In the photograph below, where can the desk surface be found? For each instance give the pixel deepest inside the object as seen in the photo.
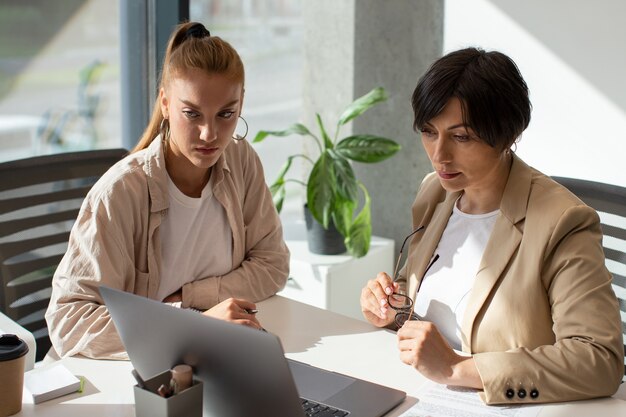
(9, 326)
(319, 337)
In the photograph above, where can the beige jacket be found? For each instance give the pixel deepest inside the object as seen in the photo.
(542, 316)
(115, 242)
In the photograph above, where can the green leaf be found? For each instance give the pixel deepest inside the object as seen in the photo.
(278, 194)
(367, 148)
(360, 235)
(361, 104)
(343, 211)
(320, 189)
(328, 144)
(285, 168)
(297, 128)
(345, 180)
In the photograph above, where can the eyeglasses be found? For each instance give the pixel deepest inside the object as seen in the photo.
(402, 304)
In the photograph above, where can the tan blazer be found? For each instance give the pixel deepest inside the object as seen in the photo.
(542, 318)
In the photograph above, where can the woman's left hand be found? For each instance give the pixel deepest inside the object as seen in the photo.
(424, 348)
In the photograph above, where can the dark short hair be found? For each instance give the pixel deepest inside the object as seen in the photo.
(493, 94)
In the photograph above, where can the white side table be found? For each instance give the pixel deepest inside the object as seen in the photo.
(333, 282)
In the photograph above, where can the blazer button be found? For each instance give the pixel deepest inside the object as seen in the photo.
(534, 393)
(521, 393)
(510, 393)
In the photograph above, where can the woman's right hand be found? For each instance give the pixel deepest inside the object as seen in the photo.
(374, 303)
(236, 311)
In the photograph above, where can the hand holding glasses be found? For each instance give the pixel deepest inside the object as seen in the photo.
(402, 304)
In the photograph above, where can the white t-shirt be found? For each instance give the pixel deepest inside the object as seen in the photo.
(443, 295)
(196, 239)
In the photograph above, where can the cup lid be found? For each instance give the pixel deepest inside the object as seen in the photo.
(12, 347)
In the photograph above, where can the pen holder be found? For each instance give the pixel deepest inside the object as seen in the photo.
(187, 403)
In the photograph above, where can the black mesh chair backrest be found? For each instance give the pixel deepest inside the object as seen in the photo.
(39, 201)
(610, 203)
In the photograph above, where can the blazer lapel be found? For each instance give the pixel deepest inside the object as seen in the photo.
(504, 241)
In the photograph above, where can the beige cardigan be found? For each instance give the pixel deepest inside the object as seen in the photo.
(115, 242)
(542, 314)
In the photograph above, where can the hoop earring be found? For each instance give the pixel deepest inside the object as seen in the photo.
(239, 137)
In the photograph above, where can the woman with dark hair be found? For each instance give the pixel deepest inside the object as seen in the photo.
(507, 265)
(186, 218)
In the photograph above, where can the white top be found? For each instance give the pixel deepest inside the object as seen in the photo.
(196, 239)
(442, 297)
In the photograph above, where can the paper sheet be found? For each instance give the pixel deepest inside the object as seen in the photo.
(436, 400)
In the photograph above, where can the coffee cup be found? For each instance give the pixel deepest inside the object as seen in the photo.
(12, 358)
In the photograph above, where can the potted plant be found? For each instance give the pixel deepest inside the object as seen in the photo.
(332, 190)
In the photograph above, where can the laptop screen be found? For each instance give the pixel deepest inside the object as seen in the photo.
(244, 370)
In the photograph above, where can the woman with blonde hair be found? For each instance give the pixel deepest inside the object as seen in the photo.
(186, 218)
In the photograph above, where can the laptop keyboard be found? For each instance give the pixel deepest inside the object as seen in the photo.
(313, 409)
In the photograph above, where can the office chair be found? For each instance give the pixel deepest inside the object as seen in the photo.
(39, 200)
(610, 203)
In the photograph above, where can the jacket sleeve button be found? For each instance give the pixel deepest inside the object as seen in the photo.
(510, 393)
(521, 393)
(534, 393)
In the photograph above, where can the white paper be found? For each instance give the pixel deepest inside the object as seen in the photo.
(436, 400)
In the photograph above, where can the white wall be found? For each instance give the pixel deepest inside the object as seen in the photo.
(572, 54)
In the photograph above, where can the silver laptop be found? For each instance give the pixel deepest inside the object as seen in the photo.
(244, 370)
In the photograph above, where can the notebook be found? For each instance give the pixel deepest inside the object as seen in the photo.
(48, 382)
(244, 370)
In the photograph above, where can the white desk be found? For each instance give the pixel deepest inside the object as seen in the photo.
(308, 334)
(9, 326)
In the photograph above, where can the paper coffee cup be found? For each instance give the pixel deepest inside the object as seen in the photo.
(12, 357)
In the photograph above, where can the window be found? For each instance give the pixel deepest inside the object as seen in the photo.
(59, 76)
(268, 34)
